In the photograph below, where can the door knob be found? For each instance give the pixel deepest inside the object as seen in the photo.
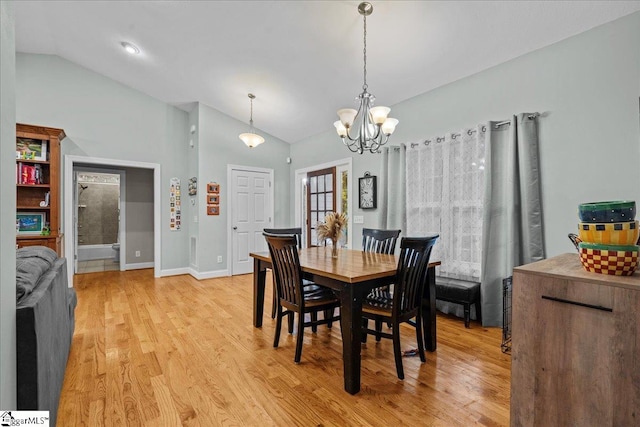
(235, 228)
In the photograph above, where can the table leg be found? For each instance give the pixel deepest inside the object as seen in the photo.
(429, 311)
(259, 279)
(350, 322)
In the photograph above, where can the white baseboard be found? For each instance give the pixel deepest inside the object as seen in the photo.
(139, 266)
(190, 270)
(208, 274)
(175, 272)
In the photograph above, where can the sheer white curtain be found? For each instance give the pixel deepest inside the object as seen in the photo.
(445, 192)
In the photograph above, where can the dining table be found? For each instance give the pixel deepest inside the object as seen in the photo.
(352, 274)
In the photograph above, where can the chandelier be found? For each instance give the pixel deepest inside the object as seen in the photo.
(251, 138)
(371, 125)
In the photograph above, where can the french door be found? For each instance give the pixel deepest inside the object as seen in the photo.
(321, 200)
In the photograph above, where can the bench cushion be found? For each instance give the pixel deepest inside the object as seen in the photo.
(458, 291)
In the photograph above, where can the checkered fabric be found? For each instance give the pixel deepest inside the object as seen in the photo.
(618, 263)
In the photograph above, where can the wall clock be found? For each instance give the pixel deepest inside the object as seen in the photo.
(368, 199)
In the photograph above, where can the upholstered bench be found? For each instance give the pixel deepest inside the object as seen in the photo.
(460, 292)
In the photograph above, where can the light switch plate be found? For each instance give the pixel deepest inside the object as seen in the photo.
(358, 219)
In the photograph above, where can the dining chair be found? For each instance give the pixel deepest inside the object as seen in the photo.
(405, 303)
(292, 296)
(382, 242)
(297, 233)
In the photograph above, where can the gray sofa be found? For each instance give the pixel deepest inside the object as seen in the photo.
(44, 324)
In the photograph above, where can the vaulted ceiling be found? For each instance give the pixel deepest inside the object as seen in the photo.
(302, 59)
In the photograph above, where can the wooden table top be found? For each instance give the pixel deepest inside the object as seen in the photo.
(351, 266)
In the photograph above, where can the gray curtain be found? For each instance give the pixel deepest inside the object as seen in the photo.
(392, 188)
(512, 232)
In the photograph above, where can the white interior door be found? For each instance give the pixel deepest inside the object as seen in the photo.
(251, 213)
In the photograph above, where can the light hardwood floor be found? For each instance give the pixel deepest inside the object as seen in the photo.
(177, 351)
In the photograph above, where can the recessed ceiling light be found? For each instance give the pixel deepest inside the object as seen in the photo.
(131, 48)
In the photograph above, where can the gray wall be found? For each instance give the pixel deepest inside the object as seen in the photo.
(7, 208)
(587, 85)
(105, 119)
(218, 146)
(139, 215)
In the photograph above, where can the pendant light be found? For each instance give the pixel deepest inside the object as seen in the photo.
(251, 139)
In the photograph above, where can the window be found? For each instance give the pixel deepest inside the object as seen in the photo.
(445, 191)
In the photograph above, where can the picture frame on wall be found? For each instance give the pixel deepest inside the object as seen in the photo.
(212, 187)
(193, 186)
(213, 210)
(30, 223)
(213, 199)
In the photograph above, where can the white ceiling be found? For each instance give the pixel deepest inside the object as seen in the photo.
(302, 59)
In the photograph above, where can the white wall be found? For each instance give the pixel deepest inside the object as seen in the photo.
(105, 119)
(588, 85)
(7, 209)
(218, 146)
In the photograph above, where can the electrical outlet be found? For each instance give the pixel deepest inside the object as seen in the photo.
(195, 218)
(219, 258)
(137, 254)
(358, 219)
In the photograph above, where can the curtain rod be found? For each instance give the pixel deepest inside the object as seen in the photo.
(508, 122)
(471, 131)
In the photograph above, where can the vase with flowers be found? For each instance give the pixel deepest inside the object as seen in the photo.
(332, 228)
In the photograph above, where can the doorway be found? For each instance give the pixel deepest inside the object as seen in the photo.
(99, 220)
(251, 201)
(342, 200)
(70, 162)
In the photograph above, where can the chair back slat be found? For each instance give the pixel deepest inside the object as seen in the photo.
(286, 267)
(295, 231)
(380, 241)
(411, 274)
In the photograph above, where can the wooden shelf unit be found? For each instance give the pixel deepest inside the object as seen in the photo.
(29, 196)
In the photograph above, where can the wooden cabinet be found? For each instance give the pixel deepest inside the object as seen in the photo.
(575, 346)
(38, 186)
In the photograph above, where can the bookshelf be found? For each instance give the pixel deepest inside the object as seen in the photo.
(38, 186)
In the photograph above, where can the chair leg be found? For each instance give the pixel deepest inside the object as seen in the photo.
(274, 303)
(396, 350)
(378, 329)
(419, 338)
(314, 318)
(328, 314)
(276, 339)
(467, 315)
(365, 327)
(290, 320)
(299, 338)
